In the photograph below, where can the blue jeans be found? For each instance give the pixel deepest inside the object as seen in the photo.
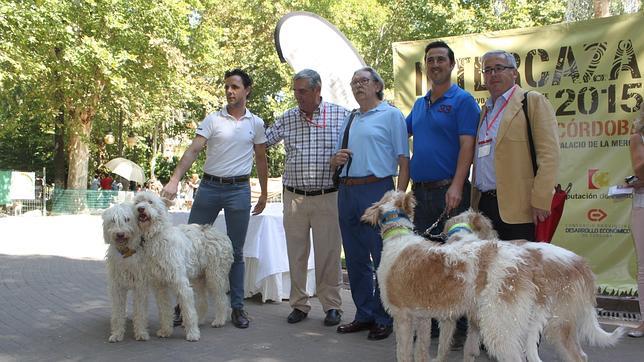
(430, 204)
(363, 248)
(210, 198)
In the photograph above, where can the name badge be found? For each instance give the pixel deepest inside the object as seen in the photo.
(484, 148)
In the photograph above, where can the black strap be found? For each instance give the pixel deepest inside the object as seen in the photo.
(345, 141)
(533, 153)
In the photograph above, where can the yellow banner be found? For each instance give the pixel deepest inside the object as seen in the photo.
(591, 72)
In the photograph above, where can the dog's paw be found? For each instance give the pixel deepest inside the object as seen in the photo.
(115, 338)
(142, 336)
(193, 336)
(164, 333)
(217, 323)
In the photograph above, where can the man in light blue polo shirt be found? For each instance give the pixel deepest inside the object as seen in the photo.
(443, 124)
(377, 150)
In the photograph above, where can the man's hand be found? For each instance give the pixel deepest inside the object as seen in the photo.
(260, 205)
(170, 190)
(453, 197)
(539, 215)
(341, 157)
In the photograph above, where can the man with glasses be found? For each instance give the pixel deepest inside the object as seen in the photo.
(232, 136)
(310, 133)
(443, 124)
(377, 149)
(508, 189)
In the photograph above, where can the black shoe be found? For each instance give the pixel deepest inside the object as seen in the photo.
(355, 326)
(240, 318)
(379, 331)
(332, 318)
(177, 321)
(296, 316)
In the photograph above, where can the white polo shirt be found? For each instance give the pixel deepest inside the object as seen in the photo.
(230, 142)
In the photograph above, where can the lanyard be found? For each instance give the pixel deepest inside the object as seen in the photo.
(489, 125)
(314, 124)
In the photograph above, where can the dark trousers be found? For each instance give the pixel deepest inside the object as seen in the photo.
(489, 206)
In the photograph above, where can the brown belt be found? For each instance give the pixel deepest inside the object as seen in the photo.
(354, 181)
(432, 184)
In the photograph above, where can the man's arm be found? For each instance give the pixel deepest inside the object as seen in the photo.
(546, 144)
(403, 173)
(262, 173)
(454, 193)
(188, 158)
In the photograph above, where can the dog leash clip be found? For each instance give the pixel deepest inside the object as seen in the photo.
(440, 237)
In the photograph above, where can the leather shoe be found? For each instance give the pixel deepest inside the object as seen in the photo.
(636, 333)
(355, 326)
(296, 316)
(177, 320)
(379, 331)
(240, 318)
(333, 317)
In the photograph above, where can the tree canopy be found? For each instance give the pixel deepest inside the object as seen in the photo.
(72, 70)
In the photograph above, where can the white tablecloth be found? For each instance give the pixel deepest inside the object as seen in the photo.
(265, 254)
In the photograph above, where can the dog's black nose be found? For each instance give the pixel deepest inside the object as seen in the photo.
(141, 209)
(120, 235)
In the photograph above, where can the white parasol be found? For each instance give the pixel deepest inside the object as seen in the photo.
(127, 169)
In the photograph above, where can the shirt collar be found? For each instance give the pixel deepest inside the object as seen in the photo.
(490, 105)
(224, 112)
(448, 94)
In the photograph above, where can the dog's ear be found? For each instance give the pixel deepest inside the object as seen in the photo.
(371, 214)
(409, 205)
(482, 226)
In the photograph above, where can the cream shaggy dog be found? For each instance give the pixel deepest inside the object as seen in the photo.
(552, 286)
(420, 279)
(125, 271)
(175, 258)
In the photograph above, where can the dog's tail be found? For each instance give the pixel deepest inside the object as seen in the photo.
(592, 333)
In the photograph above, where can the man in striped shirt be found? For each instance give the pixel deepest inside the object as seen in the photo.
(310, 133)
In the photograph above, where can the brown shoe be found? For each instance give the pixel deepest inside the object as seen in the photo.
(379, 331)
(355, 326)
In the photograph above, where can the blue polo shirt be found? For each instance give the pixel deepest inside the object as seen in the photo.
(436, 128)
(376, 139)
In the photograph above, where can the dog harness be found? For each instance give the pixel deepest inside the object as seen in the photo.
(395, 230)
(458, 228)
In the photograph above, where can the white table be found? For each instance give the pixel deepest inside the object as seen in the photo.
(265, 255)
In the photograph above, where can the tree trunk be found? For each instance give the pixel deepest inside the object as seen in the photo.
(59, 150)
(78, 150)
(601, 8)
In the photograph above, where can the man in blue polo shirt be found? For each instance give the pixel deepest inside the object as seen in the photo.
(443, 124)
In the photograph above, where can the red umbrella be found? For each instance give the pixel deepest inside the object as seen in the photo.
(546, 229)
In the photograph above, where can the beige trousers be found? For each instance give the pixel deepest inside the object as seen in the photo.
(637, 228)
(319, 214)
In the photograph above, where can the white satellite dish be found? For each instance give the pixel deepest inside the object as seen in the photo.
(307, 41)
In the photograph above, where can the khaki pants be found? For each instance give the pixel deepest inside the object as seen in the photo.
(319, 214)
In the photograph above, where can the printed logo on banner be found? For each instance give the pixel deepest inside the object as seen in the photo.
(596, 215)
(597, 179)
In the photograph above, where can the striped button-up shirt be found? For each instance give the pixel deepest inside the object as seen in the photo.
(309, 145)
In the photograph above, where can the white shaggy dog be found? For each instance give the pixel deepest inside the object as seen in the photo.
(125, 271)
(175, 257)
(552, 286)
(508, 292)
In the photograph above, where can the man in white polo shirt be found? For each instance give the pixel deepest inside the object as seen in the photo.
(232, 135)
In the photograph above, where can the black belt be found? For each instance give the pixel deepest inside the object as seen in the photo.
(310, 193)
(225, 180)
(489, 193)
(432, 184)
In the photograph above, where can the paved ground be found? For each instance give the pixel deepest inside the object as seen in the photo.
(54, 307)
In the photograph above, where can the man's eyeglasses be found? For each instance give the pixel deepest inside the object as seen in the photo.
(362, 82)
(496, 69)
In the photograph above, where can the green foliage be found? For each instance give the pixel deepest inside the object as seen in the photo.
(156, 66)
